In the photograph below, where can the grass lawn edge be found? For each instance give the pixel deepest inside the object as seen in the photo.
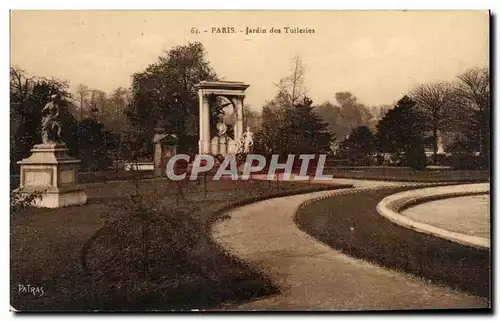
(300, 223)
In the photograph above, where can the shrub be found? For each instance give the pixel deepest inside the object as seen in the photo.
(416, 158)
(146, 235)
(19, 200)
(465, 161)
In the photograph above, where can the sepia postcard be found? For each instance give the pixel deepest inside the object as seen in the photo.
(250, 161)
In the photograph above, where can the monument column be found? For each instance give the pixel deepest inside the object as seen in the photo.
(235, 128)
(204, 144)
(200, 121)
(239, 118)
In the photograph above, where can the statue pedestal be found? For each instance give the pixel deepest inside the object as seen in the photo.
(215, 145)
(231, 146)
(165, 147)
(52, 172)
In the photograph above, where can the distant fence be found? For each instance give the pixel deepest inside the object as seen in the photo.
(96, 177)
(139, 166)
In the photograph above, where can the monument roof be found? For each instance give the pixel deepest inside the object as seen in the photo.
(230, 85)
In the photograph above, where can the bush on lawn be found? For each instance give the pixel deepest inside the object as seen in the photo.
(465, 161)
(144, 245)
(417, 158)
(20, 200)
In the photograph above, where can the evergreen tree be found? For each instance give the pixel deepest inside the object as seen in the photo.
(359, 146)
(294, 129)
(402, 131)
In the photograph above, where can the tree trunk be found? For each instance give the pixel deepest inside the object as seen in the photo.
(81, 108)
(435, 143)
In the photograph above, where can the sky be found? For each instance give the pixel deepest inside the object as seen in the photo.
(377, 55)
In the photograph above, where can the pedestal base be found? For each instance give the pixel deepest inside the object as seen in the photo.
(51, 172)
(165, 147)
(54, 198)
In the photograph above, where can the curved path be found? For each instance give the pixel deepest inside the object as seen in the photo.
(312, 275)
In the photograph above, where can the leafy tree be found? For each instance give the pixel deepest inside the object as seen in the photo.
(402, 131)
(112, 112)
(273, 120)
(359, 146)
(178, 71)
(353, 113)
(348, 114)
(96, 144)
(133, 145)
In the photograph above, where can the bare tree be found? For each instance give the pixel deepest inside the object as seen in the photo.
(297, 79)
(19, 84)
(474, 87)
(433, 100)
(20, 88)
(291, 88)
(82, 92)
(472, 100)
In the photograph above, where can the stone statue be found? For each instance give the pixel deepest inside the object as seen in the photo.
(221, 128)
(51, 127)
(247, 140)
(440, 144)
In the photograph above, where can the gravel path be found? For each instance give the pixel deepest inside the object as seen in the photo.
(313, 276)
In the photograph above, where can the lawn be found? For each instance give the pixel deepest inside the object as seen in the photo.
(136, 253)
(359, 231)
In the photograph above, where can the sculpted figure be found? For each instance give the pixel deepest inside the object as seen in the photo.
(247, 141)
(221, 128)
(51, 127)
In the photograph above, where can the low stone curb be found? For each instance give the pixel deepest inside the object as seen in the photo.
(391, 206)
(338, 192)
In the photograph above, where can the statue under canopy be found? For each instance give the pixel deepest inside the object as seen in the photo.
(245, 144)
